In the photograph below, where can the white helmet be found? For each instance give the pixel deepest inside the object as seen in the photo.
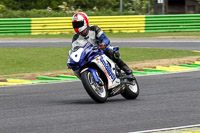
(80, 22)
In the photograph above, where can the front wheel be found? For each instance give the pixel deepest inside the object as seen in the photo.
(98, 93)
(131, 91)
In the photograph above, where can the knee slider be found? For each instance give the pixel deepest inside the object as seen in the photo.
(116, 54)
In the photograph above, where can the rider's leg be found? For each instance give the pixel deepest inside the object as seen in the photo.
(115, 56)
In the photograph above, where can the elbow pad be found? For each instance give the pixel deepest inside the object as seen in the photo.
(104, 39)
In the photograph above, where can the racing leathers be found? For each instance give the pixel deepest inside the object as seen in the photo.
(97, 37)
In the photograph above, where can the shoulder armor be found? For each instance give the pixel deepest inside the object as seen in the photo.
(75, 37)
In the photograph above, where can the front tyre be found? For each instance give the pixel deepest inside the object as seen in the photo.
(131, 91)
(98, 93)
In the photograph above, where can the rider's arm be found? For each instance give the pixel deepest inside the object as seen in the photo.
(104, 39)
(101, 36)
(75, 37)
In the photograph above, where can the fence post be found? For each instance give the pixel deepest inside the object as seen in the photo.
(121, 5)
(163, 7)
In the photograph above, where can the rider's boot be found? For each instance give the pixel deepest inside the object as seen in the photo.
(115, 56)
(122, 65)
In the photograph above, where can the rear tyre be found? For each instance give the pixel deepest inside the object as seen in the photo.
(98, 93)
(131, 91)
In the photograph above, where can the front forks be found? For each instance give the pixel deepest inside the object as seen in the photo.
(95, 75)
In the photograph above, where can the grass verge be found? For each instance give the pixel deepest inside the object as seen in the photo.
(47, 60)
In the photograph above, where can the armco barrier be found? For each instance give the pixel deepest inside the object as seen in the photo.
(137, 23)
(62, 25)
(120, 23)
(167, 23)
(56, 25)
(15, 26)
(106, 23)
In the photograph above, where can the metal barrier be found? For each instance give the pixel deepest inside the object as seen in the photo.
(15, 26)
(106, 23)
(119, 23)
(167, 23)
(137, 23)
(55, 25)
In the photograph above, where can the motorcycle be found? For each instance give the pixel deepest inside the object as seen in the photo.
(100, 76)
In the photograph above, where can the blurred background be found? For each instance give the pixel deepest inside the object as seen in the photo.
(64, 8)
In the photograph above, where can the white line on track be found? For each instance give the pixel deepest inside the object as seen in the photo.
(166, 129)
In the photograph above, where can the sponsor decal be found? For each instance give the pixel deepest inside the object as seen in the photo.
(108, 69)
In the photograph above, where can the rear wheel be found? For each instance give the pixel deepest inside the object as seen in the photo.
(131, 91)
(98, 93)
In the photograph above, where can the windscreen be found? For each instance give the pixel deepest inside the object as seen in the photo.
(78, 44)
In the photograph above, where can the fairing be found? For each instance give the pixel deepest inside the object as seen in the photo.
(97, 57)
(87, 55)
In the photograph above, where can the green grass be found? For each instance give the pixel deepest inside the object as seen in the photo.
(110, 35)
(30, 60)
(141, 54)
(149, 35)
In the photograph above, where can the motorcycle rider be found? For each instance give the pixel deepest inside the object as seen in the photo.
(96, 36)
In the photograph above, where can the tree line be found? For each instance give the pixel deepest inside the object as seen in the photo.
(97, 5)
(54, 4)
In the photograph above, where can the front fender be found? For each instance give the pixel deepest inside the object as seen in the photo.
(85, 69)
(94, 73)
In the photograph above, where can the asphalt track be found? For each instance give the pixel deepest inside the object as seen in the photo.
(189, 44)
(165, 101)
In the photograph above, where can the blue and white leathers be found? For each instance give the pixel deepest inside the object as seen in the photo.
(83, 55)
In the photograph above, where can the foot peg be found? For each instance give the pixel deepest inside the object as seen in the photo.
(129, 77)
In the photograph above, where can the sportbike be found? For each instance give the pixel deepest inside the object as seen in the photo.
(100, 76)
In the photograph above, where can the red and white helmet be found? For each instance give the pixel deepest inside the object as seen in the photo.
(80, 22)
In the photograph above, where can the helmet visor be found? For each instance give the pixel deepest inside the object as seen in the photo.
(77, 24)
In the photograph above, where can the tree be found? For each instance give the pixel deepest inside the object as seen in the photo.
(140, 6)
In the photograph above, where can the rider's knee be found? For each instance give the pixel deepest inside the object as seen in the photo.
(116, 54)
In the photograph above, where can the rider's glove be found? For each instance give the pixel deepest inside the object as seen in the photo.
(102, 46)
